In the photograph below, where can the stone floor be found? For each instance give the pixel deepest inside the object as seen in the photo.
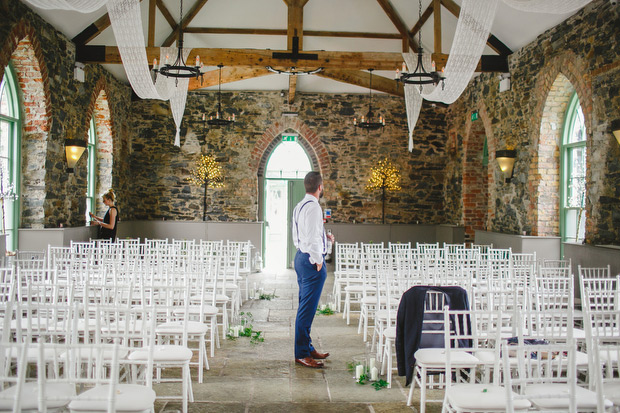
(263, 377)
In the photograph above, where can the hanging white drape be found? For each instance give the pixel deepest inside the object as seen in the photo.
(547, 6)
(82, 6)
(472, 31)
(126, 21)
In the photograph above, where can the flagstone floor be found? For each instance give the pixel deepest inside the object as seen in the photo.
(263, 377)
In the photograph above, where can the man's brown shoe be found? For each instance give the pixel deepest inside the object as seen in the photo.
(309, 362)
(318, 356)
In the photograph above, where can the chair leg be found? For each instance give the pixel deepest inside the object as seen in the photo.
(423, 385)
(410, 396)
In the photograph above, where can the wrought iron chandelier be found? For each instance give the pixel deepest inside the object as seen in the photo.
(180, 69)
(294, 72)
(219, 119)
(420, 76)
(367, 122)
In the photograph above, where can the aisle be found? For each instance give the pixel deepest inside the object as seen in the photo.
(263, 377)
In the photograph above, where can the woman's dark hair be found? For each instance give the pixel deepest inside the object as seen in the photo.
(312, 182)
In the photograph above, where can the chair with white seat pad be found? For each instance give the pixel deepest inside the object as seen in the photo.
(546, 376)
(462, 346)
(174, 351)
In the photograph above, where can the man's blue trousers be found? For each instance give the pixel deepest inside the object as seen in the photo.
(310, 283)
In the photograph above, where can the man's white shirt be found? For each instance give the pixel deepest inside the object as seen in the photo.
(308, 231)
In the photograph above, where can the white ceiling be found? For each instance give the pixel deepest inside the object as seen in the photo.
(514, 28)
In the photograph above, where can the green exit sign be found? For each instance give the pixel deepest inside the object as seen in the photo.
(291, 137)
(474, 115)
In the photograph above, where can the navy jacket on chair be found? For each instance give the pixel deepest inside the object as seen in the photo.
(410, 319)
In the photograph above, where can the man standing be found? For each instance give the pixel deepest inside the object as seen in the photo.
(311, 242)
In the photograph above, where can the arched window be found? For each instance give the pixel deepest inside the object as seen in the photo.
(10, 129)
(288, 161)
(573, 174)
(92, 170)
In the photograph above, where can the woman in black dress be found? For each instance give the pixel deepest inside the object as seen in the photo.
(108, 223)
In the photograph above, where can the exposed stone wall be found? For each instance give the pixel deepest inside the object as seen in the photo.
(341, 151)
(584, 50)
(50, 195)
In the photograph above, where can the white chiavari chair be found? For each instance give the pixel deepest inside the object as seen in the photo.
(607, 373)
(426, 371)
(172, 349)
(373, 254)
(347, 277)
(546, 376)
(463, 345)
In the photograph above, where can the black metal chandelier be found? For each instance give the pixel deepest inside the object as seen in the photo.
(367, 122)
(420, 76)
(179, 69)
(219, 119)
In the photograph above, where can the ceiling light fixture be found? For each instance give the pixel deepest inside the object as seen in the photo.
(420, 76)
(294, 72)
(219, 116)
(367, 122)
(179, 69)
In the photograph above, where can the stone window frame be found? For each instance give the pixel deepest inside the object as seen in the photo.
(566, 151)
(12, 208)
(91, 166)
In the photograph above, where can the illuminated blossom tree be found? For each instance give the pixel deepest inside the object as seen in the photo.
(208, 173)
(386, 177)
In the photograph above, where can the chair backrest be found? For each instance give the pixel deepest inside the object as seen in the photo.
(539, 365)
(432, 325)
(12, 400)
(553, 293)
(606, 368)
(594, 272)
(599, 293)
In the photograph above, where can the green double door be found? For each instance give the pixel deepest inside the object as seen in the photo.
(296, 192)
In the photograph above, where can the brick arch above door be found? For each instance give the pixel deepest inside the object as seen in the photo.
(310, 141)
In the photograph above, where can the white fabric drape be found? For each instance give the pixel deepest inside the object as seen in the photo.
(82, 6)
(547, 6)
(126, 20)
(472, 31)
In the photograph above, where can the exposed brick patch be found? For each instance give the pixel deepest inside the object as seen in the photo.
(307, 139)
(100, 109)
(32, 81)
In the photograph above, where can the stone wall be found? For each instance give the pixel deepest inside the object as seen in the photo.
(342, 152)
(583, 50)
(57, 107)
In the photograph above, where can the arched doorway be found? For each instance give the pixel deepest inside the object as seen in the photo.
(283, 189)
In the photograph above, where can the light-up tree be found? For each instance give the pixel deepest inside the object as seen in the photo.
(386, 177)
(208, 173)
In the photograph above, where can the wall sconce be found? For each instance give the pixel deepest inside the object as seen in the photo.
(506, 160)
(615, 128)
(74, 148)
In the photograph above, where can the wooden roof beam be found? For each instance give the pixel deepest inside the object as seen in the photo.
(229, 75)
(152, 15)
(425, 16)
(362, 79)
(166, 13)
(493, 42)
(186, 21)
(437, 25)
(93, 30)
(295, 23)
(292, 86)
(398, 22)
(283, 32)
(262, 58)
